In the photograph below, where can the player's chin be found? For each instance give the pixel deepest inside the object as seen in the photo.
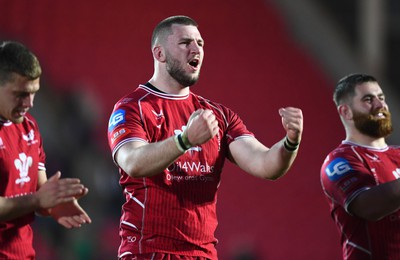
(17, 119)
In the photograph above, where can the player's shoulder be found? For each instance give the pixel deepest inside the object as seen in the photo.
(131, 98)
(337, 164)
(341, 150)
(393, 150)
(342, 153)
(394, 147)
(137, 93)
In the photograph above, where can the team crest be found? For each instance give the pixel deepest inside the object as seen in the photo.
(23, 163)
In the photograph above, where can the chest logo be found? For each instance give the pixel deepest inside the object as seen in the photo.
(30, 137)
(22, 164)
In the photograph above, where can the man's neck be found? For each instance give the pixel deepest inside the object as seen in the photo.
(367, 140)
(169, 87)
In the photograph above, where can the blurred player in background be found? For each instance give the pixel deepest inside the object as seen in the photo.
(361, 176)
(24, 188)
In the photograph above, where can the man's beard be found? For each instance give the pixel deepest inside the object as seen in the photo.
(369, 125)
(176, 71)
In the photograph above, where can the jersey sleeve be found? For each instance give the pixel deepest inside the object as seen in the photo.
(125, 125)
(235, 128)
(344, 176)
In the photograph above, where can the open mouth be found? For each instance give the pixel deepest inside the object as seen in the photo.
(20, 113)
(194, 63)
(380, 114)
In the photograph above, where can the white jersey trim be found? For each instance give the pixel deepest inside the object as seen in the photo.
(381, 149)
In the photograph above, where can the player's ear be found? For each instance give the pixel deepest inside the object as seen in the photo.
(345, 111)
(159, 53)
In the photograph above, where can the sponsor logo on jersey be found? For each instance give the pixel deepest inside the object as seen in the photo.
(185, 167)
(30, 137)
(118, 134)
(117, 118)
(159, 116)
(22, 164)
(189, 178)
(337, 169)
(2, 146)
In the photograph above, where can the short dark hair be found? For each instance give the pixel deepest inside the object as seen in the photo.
(163, 29)
(345, 88)
(16, 58)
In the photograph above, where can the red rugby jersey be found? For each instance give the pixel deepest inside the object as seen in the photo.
(174, 211)
(347, 171)
(21, 156)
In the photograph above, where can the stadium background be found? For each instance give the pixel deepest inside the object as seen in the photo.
(93, 52)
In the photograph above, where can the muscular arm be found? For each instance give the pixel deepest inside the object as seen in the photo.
(140, 159)
(269, 163)
(254, 158)
(377, 202)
